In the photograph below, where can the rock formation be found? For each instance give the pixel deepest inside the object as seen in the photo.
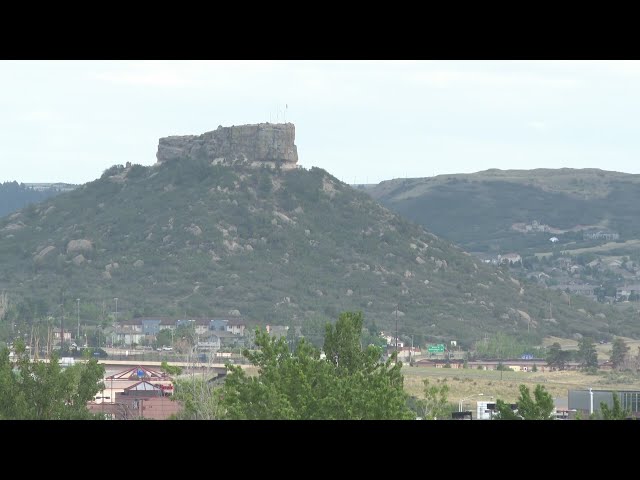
(253, 144)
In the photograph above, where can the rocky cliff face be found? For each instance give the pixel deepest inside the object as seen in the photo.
(254, 144)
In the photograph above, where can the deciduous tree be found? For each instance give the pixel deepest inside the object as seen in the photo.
(614, 413)
(435, 405)
(33, 390)
(350, 383)
(540, 407)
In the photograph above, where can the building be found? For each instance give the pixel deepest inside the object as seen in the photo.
(129, 332)
(601, 235)
(407, 353)
(142, 400)
(588, 401)
(509, 258)
(440, 363)
(218, 324)
(57, 335)
(277, 330)
(151, 326)
(137, 392)
(217, 339)
(236, 326)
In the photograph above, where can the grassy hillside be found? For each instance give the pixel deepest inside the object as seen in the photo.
(187, 238)
(477, 210)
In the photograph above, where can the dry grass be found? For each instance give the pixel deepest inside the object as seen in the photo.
(465, 383)
(604, 350)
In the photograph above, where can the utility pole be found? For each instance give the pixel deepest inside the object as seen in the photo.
(62, 328)
(78, 336)
(396, 333)
(116, 323)
(411, 351)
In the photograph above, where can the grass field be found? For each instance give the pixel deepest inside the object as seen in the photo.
(603, 350)
(493, 384)
(631, 244)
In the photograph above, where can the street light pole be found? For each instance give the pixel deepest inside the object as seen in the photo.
(116, 299)
(396, 333)
(460, 403)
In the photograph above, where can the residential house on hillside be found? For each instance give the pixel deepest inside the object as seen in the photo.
(628, 292)
(580, 289)
(202, 325)
(134, 330)
(277, 330)
(408, 353)
(509, 258)
(217, 339)
(152, 326)
(129, 332)
(57, 335)
(236, 326)
(209, 341)
(391, 340)
(601, 235)
(181, 322)
(218, 324)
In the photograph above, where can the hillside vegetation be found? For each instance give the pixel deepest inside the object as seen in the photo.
(186, 238)
(478, 210)
(14, 196)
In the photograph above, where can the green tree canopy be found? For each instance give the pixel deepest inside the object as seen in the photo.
(435, 404)
(556, 357)
(619, 352)
(350, 383)
(170, 369)
(45, 391)
(540, 407)
(163, 338)
(201, 399)
(587, 355)
(614, 413)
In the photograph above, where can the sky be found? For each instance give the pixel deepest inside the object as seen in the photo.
(362, 121)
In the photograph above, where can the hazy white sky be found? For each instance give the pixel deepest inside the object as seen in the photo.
(363, 121)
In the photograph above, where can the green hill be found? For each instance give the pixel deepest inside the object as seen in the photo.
(14, 195)
(277, 246)
(478, 211)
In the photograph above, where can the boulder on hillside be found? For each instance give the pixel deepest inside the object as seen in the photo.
(43, 253)
(79, 246)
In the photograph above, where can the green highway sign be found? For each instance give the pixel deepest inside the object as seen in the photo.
(439, 348)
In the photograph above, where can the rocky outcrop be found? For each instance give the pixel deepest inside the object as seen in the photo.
(253, 144)
(79, 246)
(43, 253)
